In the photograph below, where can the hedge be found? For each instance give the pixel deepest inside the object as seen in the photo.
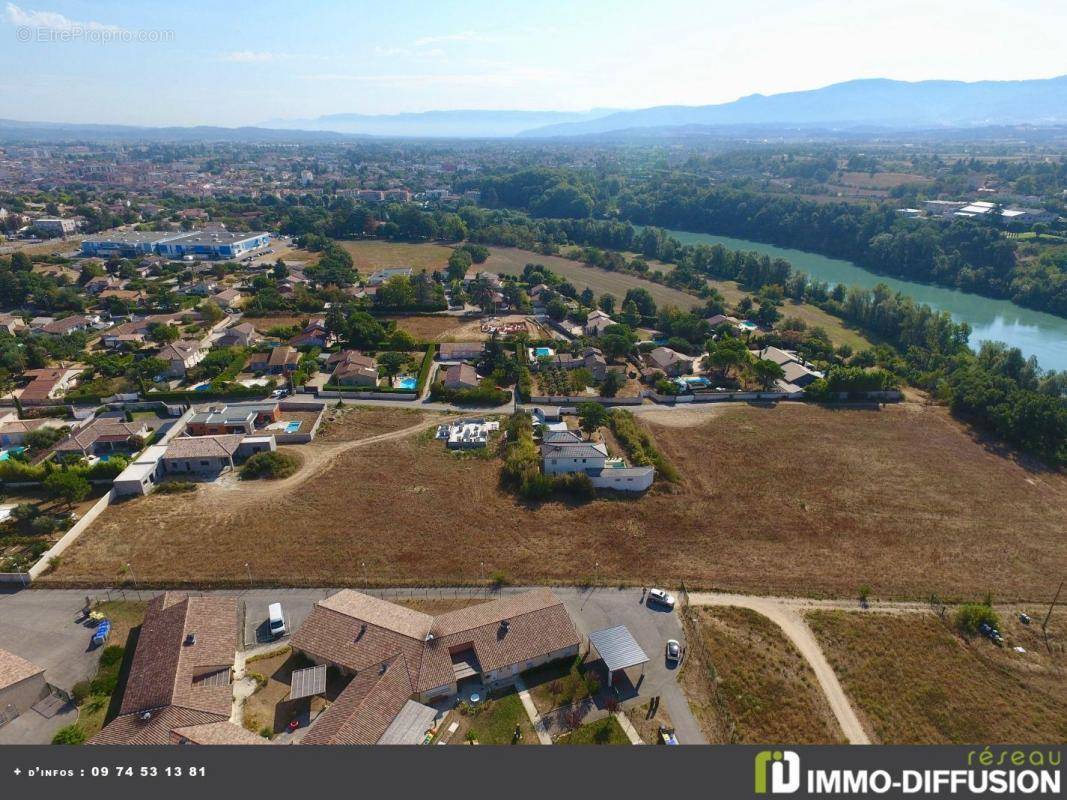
(427, 366)
(638, 444)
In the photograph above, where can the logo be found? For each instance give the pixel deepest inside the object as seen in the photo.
(784, 767)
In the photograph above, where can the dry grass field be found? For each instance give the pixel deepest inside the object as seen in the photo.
(912, 681)
(766, 691)
(439, 328)
(882, 180)
(793, 499)
(371, 254)
(512, 261)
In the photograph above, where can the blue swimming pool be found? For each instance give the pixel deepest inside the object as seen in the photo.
(292, 427)
(407, 382)
(4, 454)
(542, 352)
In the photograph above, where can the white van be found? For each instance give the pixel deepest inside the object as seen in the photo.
(276, 620)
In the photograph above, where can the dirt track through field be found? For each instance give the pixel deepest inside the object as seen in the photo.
(316, 459)
(788, 614)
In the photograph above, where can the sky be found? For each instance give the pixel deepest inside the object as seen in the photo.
(234, 62)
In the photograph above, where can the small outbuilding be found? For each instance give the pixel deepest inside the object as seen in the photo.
(618, 649)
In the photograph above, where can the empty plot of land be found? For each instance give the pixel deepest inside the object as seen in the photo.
(512, 261)
(757, 687)
(788, 500)
(353, 423)
(427, 328)
(369, 255)
(914, 681)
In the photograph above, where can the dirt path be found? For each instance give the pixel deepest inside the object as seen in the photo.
(235, 494)
(788, 614)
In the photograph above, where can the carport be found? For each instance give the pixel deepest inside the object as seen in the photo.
(618, 649)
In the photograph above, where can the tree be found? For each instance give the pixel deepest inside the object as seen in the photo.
(615, 346)
(606, 303)
(613, 381)
(43, 438)
(67, 486)
(556, 309)
(587, 297)
(163, 333)
(591, 416)
(458, 264)
(727, 355)
(767, 372)
(210, 311)
(20, 262)
(392, 362)
(631, 316)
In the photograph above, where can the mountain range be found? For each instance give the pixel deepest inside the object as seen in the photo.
(459, 124)
(879, 103)
(855, 107)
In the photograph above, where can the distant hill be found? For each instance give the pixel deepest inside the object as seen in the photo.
(465, 124)
(56, 132)
(879, 103)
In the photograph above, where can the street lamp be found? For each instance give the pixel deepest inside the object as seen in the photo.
(249, 575)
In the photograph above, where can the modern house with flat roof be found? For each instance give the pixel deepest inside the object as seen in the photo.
(565, 453)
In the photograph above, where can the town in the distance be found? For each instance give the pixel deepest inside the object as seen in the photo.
(625, 428)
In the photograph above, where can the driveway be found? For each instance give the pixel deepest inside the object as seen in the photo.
(39, 626)
(651, 626)
(34, 728)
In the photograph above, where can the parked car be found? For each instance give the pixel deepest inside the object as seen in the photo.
(276, 620)
(674, 651)
(661, 597)
(666, 735)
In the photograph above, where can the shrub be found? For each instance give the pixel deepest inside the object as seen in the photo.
(71, 734)
(80, 691)
(270, 465)
(43, 525)
(970, 616)
(111, 656)
(105, 682)
(258, 677)
(266, 732)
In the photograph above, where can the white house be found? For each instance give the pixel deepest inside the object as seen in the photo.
(565, 452)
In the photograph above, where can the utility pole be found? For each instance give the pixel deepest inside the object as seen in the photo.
(1048, 616)
(134, 578)
(249, 575)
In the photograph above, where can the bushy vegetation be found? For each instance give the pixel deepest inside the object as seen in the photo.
(638, 444)
(270, 465)
(485, 394)
(176, 487)
(970, 617)
(522, 466)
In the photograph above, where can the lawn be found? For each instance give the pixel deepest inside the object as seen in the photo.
(494, 722)
(792, 499)
(603, 731)
(757, 687)
(913, 681)
(559, 684)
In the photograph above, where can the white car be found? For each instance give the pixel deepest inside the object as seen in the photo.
(661, 597)
(674, 651)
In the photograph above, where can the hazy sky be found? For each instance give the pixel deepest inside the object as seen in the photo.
(232, 62)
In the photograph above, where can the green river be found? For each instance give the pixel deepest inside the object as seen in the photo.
(1034, 332)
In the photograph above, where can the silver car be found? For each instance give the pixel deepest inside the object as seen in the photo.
(674, 651)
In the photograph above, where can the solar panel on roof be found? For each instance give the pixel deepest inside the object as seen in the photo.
(308, 682)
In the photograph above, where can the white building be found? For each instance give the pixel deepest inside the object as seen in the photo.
(565, 452)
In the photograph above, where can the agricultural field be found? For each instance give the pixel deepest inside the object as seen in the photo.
(793, 500)
(762, 690)
(913, 680)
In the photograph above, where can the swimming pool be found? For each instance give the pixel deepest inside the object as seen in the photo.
(543, 352)
(407, 382)
(4, 454)
(202, 387)
(293, 427)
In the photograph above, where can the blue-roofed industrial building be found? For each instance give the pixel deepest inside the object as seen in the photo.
(209, 245)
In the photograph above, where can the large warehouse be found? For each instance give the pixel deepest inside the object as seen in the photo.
(206, 245)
